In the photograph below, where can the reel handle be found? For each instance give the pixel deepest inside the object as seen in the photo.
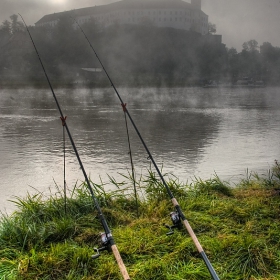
(171, 231)
(98, 250)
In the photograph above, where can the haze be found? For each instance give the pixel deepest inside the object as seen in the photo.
(238, 21)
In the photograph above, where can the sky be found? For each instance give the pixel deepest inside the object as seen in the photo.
(238, 21)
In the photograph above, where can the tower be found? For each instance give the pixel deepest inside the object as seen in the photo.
(196, 4)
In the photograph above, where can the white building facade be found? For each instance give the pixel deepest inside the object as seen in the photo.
(161, 13)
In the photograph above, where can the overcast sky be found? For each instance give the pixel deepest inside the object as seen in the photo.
(237, 20)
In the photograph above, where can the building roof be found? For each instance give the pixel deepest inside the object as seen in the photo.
(124, 4)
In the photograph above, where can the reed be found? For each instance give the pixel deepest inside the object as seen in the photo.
(238, 227)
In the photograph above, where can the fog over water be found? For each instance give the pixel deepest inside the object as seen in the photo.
(189, 131)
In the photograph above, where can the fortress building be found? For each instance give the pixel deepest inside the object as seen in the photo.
(161, 13)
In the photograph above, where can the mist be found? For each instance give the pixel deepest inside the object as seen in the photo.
(34, 10)
(240, 21)
(237, 21)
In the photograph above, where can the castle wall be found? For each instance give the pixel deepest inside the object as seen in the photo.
(181, 15)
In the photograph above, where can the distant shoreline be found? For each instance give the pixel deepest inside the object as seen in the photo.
(104, 84)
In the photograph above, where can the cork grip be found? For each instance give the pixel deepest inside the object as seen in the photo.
(189, 229)
(193, 236)
(120, 262)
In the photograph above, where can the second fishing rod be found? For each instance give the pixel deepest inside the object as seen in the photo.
(178, 215)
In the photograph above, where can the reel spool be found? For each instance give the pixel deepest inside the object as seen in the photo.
(176, 220)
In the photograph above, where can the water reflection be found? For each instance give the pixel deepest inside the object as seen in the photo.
(190, 131)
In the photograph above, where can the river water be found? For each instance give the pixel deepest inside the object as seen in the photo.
(191, 132)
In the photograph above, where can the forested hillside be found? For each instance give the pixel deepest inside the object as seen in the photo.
(133, 55)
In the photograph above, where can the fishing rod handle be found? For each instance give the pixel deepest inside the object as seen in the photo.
(189, 229)
(120, 262)
(197, 243)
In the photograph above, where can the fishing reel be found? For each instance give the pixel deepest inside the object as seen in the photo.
(105, 245)
(176, 220)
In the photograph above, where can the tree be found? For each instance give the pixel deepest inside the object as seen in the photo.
(212, 28)
(269, 53)
(250, 46)
(13, 26)
(16, 25)
(233, 63)
(6, 27)
(250, 60)
(270, 62)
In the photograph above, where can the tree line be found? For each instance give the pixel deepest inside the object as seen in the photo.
(132, 54)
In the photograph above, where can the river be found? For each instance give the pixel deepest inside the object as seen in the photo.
(191, 132)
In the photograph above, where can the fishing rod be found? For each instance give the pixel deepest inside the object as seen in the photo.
(178, 216)
(107, 240)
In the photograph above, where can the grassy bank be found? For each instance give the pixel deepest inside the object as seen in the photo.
(238, 228)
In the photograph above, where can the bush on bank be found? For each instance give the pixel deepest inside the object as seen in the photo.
(238, 227)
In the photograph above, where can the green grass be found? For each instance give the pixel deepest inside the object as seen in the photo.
(238, 227)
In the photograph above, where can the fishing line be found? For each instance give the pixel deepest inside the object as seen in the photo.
(178, 215)
(131, 162)
(107, 237)
(64, 163)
